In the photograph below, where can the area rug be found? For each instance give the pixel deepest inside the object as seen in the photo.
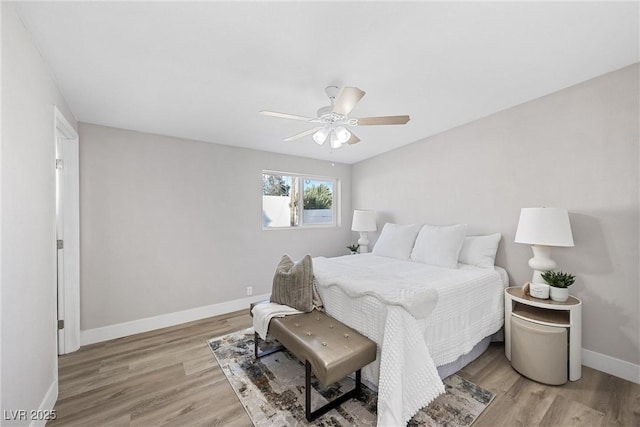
(272, 391)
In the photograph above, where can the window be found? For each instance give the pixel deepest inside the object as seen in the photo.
(293, 200)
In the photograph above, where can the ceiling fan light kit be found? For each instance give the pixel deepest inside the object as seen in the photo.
(335, 117)
(321, 135)
(343, 134)
(335, 141)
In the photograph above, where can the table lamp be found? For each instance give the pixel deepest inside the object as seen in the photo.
(543, 228)
(363, 221)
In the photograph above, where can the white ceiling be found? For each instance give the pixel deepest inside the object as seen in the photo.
(203, 70)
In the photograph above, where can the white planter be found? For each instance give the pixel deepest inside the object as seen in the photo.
(559, 294)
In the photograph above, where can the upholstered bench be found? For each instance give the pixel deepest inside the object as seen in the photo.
(329, 349)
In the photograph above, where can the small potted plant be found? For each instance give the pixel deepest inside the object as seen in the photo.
(559, 283)
(353, 248)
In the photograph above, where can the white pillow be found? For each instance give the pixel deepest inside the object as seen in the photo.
(396, 241)
(439, 245)
(480, 251)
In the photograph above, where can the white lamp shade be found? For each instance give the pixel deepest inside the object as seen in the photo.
(321, 135)
(335, 141)
(544, 226)
(364, 220)
(342, 134)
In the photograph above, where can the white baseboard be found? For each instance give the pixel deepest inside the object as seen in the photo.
(46, 406)
(601, 362)
(119, 330)
(616, 367)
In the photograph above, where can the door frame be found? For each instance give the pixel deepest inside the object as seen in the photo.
(66, 140)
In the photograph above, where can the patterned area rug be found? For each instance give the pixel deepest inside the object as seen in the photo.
(272, 391)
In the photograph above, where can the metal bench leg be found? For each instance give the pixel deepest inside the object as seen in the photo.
(331, 405)
(259, 353)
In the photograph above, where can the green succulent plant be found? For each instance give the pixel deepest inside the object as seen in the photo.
(558, 279)
(353, 248)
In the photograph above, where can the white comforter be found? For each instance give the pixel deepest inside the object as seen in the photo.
(420, 316)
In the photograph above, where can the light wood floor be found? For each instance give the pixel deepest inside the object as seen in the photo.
(169, 377)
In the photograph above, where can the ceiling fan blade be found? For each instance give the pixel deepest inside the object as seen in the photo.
(383, 120)
(353, 140)
(302, 134)
(286, 116)
(347, 100)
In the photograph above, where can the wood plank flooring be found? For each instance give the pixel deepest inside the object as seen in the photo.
(169, 377)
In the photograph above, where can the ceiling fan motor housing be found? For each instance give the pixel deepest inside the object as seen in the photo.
(326, 110)
(332, 92)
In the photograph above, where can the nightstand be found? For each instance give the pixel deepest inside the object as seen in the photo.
(566, 314)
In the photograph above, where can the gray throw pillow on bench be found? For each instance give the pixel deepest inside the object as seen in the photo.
(293, 284)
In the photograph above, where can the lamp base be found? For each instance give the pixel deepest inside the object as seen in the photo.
(363, 241)
(541, 263)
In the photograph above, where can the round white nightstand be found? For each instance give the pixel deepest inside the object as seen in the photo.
(566, 314)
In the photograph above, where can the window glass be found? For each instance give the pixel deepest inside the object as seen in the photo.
(292, 200)
(317, 201)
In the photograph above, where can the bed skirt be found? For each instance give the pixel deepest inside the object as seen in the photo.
(451, 368)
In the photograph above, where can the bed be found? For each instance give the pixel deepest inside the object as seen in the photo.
(428, 321)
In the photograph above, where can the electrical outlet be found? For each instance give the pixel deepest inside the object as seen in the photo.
(249, 290)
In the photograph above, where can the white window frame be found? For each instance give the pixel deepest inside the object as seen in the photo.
(335, 204)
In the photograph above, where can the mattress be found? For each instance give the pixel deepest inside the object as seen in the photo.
(467, 308)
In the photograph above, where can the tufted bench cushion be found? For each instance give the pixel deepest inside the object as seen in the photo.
(333, 349)
(329, 349)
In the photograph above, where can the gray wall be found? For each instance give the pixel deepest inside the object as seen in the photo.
(578, 149)
(169, 224)
(27, 256)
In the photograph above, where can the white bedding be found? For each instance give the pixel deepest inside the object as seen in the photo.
(469, 307)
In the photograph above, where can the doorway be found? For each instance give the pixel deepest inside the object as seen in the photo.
(67, 234)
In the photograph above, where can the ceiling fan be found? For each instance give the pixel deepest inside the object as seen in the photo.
(334, 118)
